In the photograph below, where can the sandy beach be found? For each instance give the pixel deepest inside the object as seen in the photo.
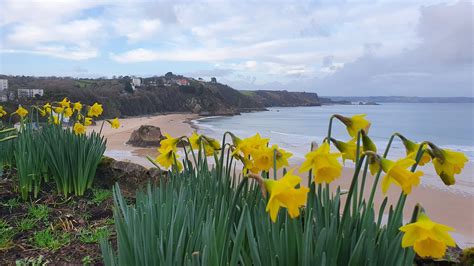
(444, 206)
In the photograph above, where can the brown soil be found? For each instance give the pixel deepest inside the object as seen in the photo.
(69, 215)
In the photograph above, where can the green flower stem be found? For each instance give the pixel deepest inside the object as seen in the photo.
(274, 164)
(221, 164)
(7, 130)
(351, 190)
(101, 126)
(362, 185)
(330, 127)
(377, 176)
(358, 147)
(8, 138)
(192, 151)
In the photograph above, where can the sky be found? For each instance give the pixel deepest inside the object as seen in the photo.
(352, 48)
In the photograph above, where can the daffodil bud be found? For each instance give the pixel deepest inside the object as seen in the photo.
(355, 124)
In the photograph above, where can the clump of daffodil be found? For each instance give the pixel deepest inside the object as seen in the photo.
(428, 238)
(284, 194)
(355, 124)
(79, 128)
(412, 149)
(246, 146)
(210, 144)
(2, 112)
(448, 163)
(324, 164)
(348, 149)
(114, 123)
(369, 145)
(168, 157)
(22, 112)
(256, 156)
(95, 110)
(397, 173)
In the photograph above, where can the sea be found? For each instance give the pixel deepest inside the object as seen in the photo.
(448, 125)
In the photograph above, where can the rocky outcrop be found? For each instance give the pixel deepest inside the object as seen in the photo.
(146, 136)
(129, 176)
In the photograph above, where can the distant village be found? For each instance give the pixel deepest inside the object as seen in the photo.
(169, 79)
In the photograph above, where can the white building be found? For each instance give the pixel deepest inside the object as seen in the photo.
(30, 93)
(136, 82)
(3, 84)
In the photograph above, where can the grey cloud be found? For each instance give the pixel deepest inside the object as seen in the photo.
(441, 65)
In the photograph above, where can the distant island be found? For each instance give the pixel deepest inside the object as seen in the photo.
(401, 99)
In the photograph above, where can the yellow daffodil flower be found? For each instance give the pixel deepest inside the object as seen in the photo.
(263, 159)
(248, 145)
(54, 119)
(168, 157)
(87, 121)
(412, 149)
(2, 112)
(214, 144)
(65, 103)
(47, 108)
(355, 124)
(428, 238)
(95, 110)
(79, 128)
(348, 149)
(397, 173)
(282, 156)
(249, 165)
(169, 141)
(77, 106)
(115, 123)
(68, 112)
(59, 110)
(326, 168)
(448, 163)
(284, 194)
(194, 141)
(22, 112)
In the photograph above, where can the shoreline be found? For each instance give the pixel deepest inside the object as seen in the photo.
(444, 206)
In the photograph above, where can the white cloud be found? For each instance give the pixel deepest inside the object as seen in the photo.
(75, 31)
(137, 29)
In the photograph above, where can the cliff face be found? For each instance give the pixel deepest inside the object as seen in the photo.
(158, 95)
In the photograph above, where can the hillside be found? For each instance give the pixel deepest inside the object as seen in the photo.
(284, 98)
(169, 93)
